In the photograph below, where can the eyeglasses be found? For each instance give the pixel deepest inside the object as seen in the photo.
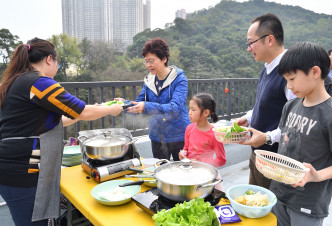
(250, 43)
(150, 61)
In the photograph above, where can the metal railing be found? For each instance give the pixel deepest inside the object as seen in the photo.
(240, 98)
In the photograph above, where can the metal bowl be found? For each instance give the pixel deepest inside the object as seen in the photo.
(184, 180)
(105, 147)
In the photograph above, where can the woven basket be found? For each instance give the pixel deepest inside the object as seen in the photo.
(279, 167)
(235, 138)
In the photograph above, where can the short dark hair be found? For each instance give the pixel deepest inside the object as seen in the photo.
(329, 51)
(269, 24)
(157, 46)
(303, 56)
(205, 102)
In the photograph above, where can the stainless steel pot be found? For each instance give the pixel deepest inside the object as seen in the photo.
(105, 146)
(184, 180)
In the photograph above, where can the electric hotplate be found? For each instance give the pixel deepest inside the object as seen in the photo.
(152, 202)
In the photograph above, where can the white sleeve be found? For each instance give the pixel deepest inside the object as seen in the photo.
(289, 94)
(275, 135)
(248, 116)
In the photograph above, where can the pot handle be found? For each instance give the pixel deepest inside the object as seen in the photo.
(82, 140)
(158, 163)
(130, 142)
(209, 185)
(133, 141)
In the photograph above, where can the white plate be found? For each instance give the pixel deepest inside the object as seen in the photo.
(109, 186)
(71, 150)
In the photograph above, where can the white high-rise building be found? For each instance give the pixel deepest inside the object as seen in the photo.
(115, 21)
(181, 13)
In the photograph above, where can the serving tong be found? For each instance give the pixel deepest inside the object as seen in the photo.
(148, 174)
(140, 170)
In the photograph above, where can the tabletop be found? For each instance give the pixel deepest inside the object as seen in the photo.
(77, 189)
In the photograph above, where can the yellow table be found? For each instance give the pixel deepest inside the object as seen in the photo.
(77, 188)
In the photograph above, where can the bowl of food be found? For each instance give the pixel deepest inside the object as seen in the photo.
(233, 134)
(250, 200)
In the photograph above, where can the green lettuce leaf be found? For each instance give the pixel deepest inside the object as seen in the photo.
(228, 133)
(238, 128)
(196, 212)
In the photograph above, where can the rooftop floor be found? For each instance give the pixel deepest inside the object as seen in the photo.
(234, 174)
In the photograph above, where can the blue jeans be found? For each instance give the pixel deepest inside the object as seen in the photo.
(20, 202)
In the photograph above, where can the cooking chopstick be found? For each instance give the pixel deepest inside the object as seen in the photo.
(139, 176)
(140, 170)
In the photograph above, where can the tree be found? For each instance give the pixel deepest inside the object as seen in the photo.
(97, 55)
(8, 43)
(70, 55)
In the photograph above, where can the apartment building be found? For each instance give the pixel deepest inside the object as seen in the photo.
(114, 21)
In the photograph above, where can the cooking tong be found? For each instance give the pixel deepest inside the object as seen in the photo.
(140, 170)
(149, 174)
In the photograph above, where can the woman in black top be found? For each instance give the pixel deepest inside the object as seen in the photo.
(33, 110)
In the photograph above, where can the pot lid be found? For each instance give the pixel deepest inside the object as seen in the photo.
(186, 172)
(101, 141)
(104, 138)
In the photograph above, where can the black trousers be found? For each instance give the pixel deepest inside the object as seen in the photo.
(165, 150)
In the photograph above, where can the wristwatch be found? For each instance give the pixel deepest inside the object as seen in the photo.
(268, 139)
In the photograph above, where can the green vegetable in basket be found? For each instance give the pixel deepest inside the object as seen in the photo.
(109, 103)
(120, 102)
(238, 128)
(231, 129)
(196, 212)
(228, 133)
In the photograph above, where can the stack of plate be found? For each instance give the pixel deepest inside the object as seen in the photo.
(71, 155)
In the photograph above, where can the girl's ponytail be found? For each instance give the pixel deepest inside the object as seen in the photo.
(19, 63)
(213, 114)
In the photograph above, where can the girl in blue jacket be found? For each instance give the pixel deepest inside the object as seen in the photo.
(163, 97)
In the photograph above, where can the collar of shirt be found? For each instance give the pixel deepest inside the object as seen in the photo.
(274, 63)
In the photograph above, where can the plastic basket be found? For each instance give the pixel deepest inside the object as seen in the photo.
(279, 167)
(235, 138)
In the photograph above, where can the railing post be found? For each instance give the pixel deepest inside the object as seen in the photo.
(228, 98)
(218, 98)
(90, 102)
(101, 101)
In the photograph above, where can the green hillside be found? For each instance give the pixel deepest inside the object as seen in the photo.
(212, 43)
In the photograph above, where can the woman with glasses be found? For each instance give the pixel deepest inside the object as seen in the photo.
(163, 97)
(33, 110)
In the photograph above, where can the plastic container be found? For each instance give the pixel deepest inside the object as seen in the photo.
(279, 167)
(250, 211)
(149, 162)
(235, 138)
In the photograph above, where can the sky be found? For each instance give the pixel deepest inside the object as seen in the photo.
(43, 18)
